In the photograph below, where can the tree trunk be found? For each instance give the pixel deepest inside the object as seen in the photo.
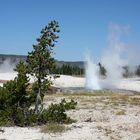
(38, 97)
(38, 101)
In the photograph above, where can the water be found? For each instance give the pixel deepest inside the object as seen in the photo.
(92, 81)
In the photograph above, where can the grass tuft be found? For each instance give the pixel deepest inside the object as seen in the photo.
(54, 128)
(122, 112)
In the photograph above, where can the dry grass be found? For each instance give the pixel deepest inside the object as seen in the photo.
(95, 93)
(135, 101)
(104, 99)
(121, 112)
(53, 128)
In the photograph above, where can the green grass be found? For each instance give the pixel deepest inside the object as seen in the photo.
(54, 128)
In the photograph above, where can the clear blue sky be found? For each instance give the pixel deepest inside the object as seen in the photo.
(83, 24)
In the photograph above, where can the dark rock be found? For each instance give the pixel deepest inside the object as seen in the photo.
(88, 120)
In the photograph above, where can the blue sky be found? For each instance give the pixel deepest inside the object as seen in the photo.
(83, 24)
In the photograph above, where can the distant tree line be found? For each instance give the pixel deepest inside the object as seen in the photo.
(137, 72)
(127, 71)
(68, 70)
(130, 72)
(75, 70)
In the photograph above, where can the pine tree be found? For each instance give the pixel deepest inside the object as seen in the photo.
(102, 69)
(40, 61)
(138, 71)
(22, 81)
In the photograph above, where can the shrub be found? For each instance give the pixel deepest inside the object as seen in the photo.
(69, 105)
(57, 112)
(15, 101)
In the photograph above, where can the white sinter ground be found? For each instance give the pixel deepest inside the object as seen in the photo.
(70, 81)
(98, 117)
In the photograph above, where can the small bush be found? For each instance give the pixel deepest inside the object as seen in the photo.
(16, 101)
(55, 113)
(69, 105)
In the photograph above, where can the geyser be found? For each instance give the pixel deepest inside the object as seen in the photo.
(113, 59)
(91, 82)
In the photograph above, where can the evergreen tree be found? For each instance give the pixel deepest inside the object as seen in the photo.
(138, 71)
(22, 81)
(102, 69)
(126, 72)
(40, 61)
(17, 88)
(14, 98)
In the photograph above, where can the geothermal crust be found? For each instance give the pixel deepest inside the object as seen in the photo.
(99, 115)
(79, 82)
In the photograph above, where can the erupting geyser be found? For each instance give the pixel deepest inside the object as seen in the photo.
(113, 59)
(91, 82)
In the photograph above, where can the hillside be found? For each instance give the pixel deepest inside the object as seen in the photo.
(16, 58)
